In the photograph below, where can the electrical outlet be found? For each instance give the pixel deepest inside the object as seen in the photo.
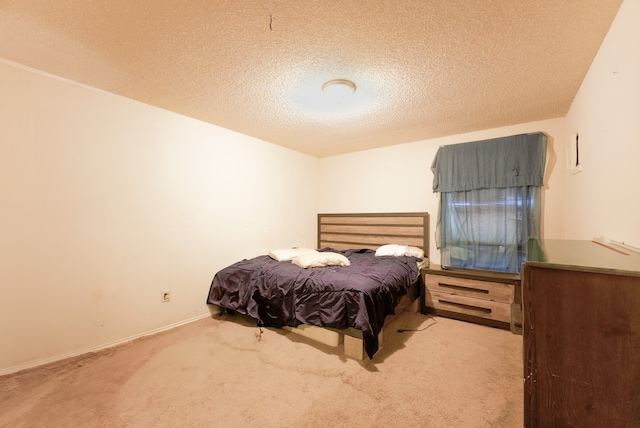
(165, 296)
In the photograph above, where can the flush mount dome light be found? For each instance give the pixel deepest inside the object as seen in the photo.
(333, 99)
(341, 85)
(339, 91)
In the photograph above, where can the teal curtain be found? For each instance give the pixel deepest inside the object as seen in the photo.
(490, 201)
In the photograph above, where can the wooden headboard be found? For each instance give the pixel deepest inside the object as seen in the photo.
(366, 230)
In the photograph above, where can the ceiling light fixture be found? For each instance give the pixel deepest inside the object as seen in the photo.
(340, 85)
(339, 92)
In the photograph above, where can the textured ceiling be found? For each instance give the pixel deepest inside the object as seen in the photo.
(424, 68)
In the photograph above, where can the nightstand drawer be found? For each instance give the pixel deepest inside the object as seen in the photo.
(485, 290)
(468, 305)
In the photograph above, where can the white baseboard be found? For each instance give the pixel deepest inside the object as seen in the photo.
(43, 361)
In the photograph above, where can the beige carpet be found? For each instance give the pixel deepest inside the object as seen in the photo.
(216, 373)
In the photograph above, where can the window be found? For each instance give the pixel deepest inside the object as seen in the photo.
(489, 201)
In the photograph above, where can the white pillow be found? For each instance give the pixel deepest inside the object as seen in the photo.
(320, 259)
(414, 252)
(286, 254)
(391, 250)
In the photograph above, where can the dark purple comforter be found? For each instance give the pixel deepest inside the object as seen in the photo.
(281, 293)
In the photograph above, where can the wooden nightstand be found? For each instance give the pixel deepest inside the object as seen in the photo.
(482, 297)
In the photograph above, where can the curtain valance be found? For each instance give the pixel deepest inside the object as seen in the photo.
(514, 161)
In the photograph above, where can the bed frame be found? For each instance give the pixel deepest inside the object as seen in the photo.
(344, 231)
(367, 230)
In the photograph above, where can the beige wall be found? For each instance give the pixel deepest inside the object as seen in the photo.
(399, 178)
(105, 202)
(603, 199)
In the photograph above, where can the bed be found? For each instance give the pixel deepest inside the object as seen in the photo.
(375, 265)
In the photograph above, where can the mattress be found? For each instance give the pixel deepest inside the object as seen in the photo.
(280, 293)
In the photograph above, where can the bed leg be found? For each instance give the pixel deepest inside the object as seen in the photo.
(353, 347)
(214, 310)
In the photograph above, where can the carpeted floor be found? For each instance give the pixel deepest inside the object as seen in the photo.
(219, 373)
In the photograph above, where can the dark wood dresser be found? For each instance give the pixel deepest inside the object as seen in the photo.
(581, 332)
(483, 297)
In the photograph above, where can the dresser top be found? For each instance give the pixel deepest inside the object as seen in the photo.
(586, 254)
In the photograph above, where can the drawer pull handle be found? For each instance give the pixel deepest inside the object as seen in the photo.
(461, 305)
(463, 288)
